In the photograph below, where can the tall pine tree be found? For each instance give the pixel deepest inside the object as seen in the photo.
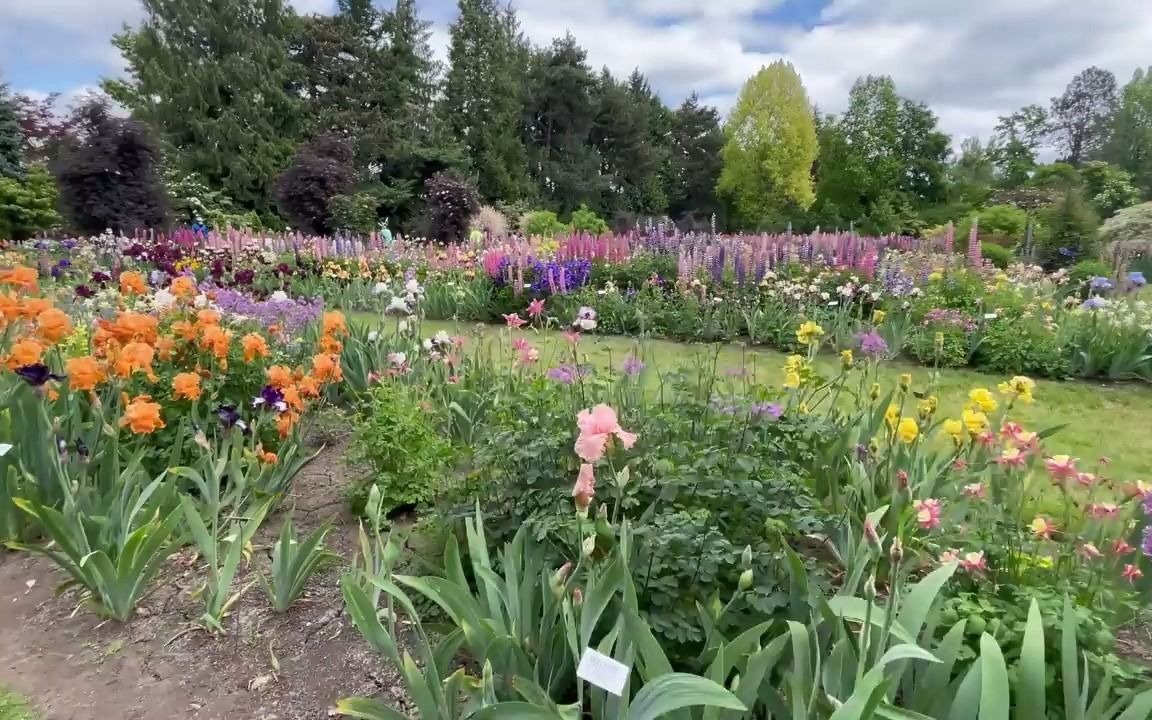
(215, 78)
(1130, 146)
(631, 141)
(558, 120)
(695, 162)
(484, 97)
(11, 138)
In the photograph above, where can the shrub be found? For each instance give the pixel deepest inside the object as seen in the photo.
(404, 448)
(95, 199)
(1020, 347)
(29, 206)
(541, 223)
(491, 221)
(1080, 274)
(321, 170)
(939, 346)
(451, 203)
(999, 256)
(999, 224)
(1132, 224)
(586, 220)
(356, 212)
(1067, 233)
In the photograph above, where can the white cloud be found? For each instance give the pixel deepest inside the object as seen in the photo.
(971, 61)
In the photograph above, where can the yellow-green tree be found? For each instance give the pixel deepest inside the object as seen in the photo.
(770, 147)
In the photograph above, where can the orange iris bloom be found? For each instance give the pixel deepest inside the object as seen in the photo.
(53, 325)
(183, 287)
(135, 357)
(334, 323)
(25, 352)
(186, 386)
(22, 277)
(84, 373)
(279, 376)
(132, 283)
(326, 368)
(142, 416)
(254, 346)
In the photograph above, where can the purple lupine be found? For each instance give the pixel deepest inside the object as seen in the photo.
(632, 366)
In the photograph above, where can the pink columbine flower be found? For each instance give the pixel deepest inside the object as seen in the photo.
(1086, 479)
(514, 320)
(597, 426)
(1061, 467)
(1121, 547)
(536, 308)
(1090, 551)
(959, 464)
(572, 337)
(986, 439)
(949, 557)
(1011, 430)
(902, 479)
(976, 491)
(973, 562)
(1012, 457)
(520, 345)
(927, 513)
(1042, 527)
(1101, 511)
(528, 356)
(584, 489)
(1131, 573)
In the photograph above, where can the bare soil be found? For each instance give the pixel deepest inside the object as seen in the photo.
(73, 665)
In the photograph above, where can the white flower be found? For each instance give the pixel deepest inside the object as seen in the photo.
(397, 358)
(201, 301)
(373, 336)
(413, 288)
(380, 288)
(428, 344)
(279, 296)
(442, 338)
(585, 324)
(398, 306)
(402, 327)
(163, 300)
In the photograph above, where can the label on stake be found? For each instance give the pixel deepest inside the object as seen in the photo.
(603, 672)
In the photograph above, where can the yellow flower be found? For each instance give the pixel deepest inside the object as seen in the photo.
(794, 363)
(928, 406)
(935, 277)
(892, 416)
(983, 400)
(955, 428)
(975, 422)
(846, 359)
(875, 392)
(905, 381)
(791, 380)
(878, 317)
(803, 409)
(908, 430)
(809, 333)
(1020, 387)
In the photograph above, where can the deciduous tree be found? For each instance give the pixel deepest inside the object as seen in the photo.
(1082, 116)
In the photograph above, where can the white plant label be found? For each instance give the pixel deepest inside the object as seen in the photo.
(603, 672)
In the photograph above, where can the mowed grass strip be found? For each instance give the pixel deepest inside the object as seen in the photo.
(1111, 420)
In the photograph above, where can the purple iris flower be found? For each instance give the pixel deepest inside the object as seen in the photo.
(632, 366)
(228, 416)
(38, 374)
(270, 397)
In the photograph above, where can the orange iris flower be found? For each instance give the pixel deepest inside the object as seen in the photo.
(279, 376)
(208, 317)
(183, 287)
(22, 277)
(84, 373)
(326, 368)
(135, 357)
(334, 323)
(132, 283)
(53, 325)
(308, 386)
(268, 458)
(34, 306)
(25, 352)
(9, 306)
(331, 345)
(186, 386)
(254, 346)
(165, 348)
(142, 415)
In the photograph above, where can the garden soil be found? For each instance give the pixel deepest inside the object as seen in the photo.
(73, 666)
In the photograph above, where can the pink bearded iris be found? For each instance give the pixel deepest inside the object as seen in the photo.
(597, 426)
(584, 489)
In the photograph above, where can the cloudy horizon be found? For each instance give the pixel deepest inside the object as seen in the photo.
(970, 62)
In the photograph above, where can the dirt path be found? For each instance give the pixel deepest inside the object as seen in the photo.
(72, 666)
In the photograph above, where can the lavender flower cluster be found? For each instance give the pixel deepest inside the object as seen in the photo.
(950, 317)
(292, 316)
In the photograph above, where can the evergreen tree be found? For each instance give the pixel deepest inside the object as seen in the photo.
(484, 97)
(558, 120)
(1130, 145)
(770, 146)
(695, 162)
(626, 137)
(215, 78)
(107, 173)
(11, 138)
(1081, 117)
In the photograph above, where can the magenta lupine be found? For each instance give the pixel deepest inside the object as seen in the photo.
(949, 237)
(974, 255)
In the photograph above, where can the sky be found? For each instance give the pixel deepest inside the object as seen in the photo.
(970, 60)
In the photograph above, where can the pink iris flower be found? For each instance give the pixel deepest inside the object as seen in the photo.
(975, 491)
(597, 426)
(584, 489)
(973, 562)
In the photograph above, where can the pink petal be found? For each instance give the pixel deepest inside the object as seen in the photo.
(590, 448)
(627, 439)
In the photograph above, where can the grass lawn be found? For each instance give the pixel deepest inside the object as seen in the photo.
(1101, 418)
(13, 707)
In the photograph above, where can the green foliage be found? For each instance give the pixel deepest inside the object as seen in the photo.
(696, 160)
(215, 80)
(293, 562)
(27, 206)
(1082, 115)
(11, 140)
(355, 212)
(1083, 271)
(111, 545)
(1000, 256)
(192, 198)
(770, 145)
(585, 220)
(542, 223)
(630, 133)
(940, 346)
(1130, 144)
(999, 224)
(402, 444)
(1022, 347)
(1132, 224)
(1108, 188)
(1067, 232)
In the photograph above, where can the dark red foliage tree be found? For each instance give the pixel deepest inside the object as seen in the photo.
(321, 170)
(451, 203)
(106, 170)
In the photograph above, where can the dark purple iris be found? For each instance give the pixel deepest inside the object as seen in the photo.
(84, 291)
(81, 448)
(38, 374)
(101, 277)
(244, 277)
(228, 415)
(271, 398)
